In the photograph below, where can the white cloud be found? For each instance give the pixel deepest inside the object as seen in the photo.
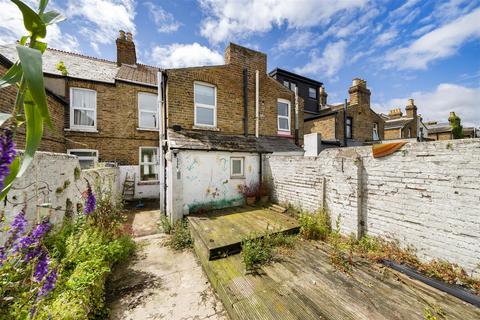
(184, 55)
(299, 40)
(437, 44)
(328, 63)
(100, 20)
(164, 20)
(12, 28)
(385, 38)
(437, 104)
(229, 19)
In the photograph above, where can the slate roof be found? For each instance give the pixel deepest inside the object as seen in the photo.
(397, 123)
(215, 141)
(88, 68)
(438, 127)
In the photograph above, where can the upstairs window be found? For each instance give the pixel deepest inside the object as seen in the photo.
(83, 109)
(349, 127)
(86, 157)
(283, 111)
(375, 132)
(286, 83)
(205, 105)
(312, 93)
(147, 111)
(148, 164)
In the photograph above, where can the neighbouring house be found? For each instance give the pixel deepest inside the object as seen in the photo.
(443, 130)
(353, 124)
(220, 120)
(311, 91)
(53, 138)
(191, 136)
(109, 111)
(408, 126)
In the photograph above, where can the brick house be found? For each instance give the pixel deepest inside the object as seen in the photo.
(443, 130)
(147, 121)
(358, 125)
(408, 126)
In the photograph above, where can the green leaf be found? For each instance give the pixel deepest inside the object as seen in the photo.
(52, 17)
(31, 60)
(12, 76)
(34, 131)
(7, 183)
(23, 40)
(31, 20)
(4, 117)
(42, 5)
(41, 46)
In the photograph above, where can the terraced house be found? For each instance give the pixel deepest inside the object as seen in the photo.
(191, 136)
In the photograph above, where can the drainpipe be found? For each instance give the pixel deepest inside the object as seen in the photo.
(345, 123)
(296, 117)
(245, 101)
(162, 137)
(257, 101)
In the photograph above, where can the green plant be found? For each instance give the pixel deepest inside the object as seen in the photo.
(181, 237)
(337, 256)
(455, 124)
(256, 251)
(61, 67)
(314, 226)
(165, 224)
(434, 313)
(30, 108)
(281, 239)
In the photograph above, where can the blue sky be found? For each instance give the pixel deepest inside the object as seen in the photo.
(428, 50)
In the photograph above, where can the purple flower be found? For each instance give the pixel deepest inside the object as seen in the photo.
(18, 226)
(49, 283)
(41, 269)
(30, 242)
(90, 201)
(7, 154)
(3, 255)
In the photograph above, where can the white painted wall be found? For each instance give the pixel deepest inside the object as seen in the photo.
(143, 190)
(37, 188)
(426, 195)
(197, 179)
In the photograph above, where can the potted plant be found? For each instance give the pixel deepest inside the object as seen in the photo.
(264, 193)
(249, 192)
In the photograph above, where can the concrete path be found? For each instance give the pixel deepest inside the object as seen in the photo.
(160, 283)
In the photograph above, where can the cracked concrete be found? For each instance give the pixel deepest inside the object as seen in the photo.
(160, 283)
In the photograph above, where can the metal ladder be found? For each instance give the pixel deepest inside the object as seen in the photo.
(129, 187)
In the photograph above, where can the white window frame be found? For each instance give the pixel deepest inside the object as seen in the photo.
(207, 106)
(156, 112)
(140, 163)
(284, 117)
(94, 158)
(315, 91)
(237, 175)
(375, 132)
(72, 112)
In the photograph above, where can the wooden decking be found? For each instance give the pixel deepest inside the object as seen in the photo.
(303, 284)
(221, 232)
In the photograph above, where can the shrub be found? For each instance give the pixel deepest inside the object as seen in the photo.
(248, 191)
(181, 238)
(314, 226)
(283, 240)
(256, 251)
(165, 224)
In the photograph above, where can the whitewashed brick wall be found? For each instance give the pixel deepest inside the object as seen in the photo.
(426, 195)
(38, 187)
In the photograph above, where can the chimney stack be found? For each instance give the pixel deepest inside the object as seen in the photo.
(359, 93)
(395, 113)
(322, 98)
(126, 49)
(411, 109)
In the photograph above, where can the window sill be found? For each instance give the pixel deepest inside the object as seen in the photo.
(148, 183)
(81, 130)
(237, 177)
(147, 129)
(284, 133)
(206, 128)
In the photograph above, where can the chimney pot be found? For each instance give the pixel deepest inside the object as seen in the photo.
(129, 37)
(126, 49)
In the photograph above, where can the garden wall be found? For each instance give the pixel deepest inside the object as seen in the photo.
(53, 186)
(426, 194)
